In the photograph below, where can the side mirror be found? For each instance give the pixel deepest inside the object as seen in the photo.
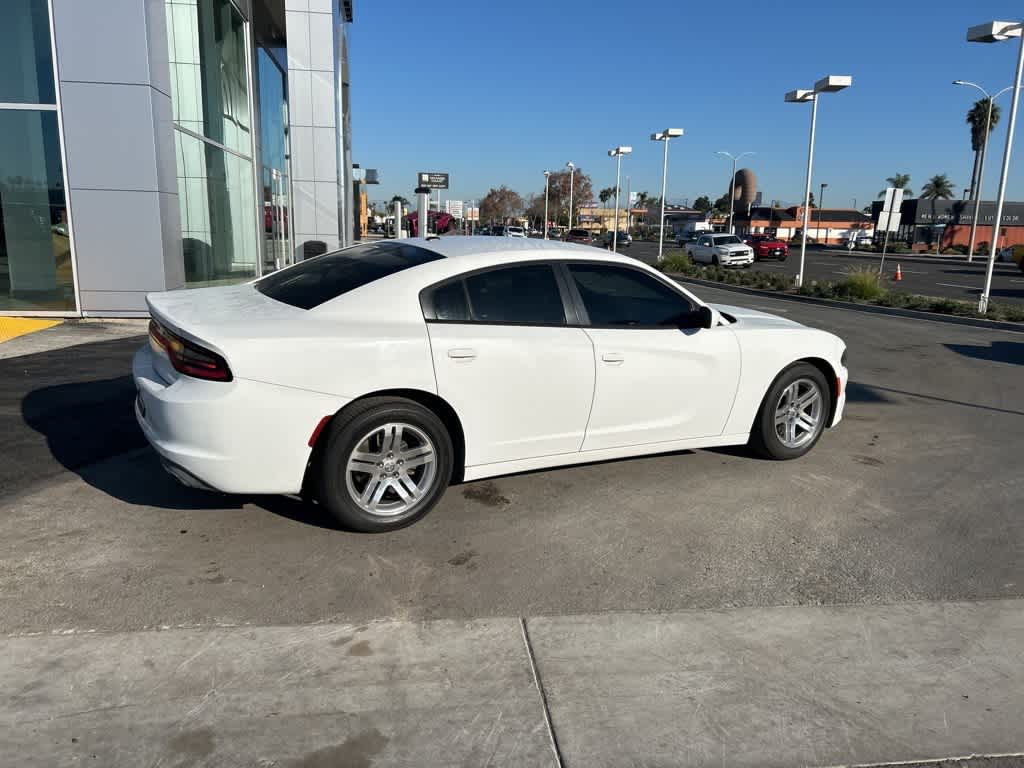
(705, 317)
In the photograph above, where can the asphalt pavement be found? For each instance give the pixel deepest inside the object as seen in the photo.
(944, 277)
(860, 605)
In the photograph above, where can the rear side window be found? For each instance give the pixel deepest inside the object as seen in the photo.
(315, 281)
(621, 297)
(527, 295)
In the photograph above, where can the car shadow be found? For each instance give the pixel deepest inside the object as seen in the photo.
(90, 429)
(1011, 352)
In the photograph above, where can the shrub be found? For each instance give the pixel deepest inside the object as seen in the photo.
(676, 261)
(863, 283)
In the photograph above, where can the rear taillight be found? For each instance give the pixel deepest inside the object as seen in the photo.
(186, 357)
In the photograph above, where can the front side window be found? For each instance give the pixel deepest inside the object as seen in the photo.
(621, 297)
(314, 281)
(527, 295)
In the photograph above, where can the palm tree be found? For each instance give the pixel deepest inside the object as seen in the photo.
(606, 194)
(976, 118)
(900, 181)
(938, 188)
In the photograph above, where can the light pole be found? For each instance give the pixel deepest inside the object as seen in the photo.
(821, 204)
(572, 172)
(617, 153)
(993, 32)
(732, 185)
(547, 179)
(664, 137)
(984, 152)
(829, 84)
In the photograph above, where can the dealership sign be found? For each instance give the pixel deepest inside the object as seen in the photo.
(432, 179)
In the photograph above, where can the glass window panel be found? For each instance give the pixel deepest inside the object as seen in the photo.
(26, 64)
(206, 42)
(527, 294)
(618, 296)
(35, 255)
(218, 213)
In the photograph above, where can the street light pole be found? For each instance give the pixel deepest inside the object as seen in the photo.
(821, 204)
(547, 179)
(664, 137)
(732, 185)
(572, 171)
(990, 33)
(828, 84)
(984, 154)
(617, 153)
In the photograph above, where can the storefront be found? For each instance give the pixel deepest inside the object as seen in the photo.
(156, 145)
(930, 224)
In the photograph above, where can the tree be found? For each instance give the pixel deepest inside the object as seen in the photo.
(702, 204)
(722, 203)
(558, 193)
(534, 208)
(900, 181)
(606, 194)
(501, 204)
(938, 188)
(400, 199)
(977, 116)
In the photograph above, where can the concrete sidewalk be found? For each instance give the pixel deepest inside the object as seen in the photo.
(751, 687)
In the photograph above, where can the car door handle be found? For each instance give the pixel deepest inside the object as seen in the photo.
(462, 353)
(615, 358)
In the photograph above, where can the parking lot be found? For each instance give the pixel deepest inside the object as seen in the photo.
(947, 277)
(913, 501)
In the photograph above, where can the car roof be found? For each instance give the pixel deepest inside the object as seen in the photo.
(457, 246)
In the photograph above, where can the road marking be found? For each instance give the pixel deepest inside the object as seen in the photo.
(956, 285)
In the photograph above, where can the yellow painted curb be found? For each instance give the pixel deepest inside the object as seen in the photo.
(13, 327)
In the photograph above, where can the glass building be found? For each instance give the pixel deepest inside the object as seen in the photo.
(149, 145)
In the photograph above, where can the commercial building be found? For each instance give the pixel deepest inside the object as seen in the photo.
(937, 224)
(148, 145)
(825, 225)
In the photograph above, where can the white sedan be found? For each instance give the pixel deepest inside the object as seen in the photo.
(370, 378)
(719, 249)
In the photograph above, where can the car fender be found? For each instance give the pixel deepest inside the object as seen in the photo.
(765, 353)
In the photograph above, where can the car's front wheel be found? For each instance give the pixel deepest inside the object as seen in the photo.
(386, 463)
(793, 413)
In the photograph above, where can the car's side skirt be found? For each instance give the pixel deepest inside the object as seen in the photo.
(481, 471)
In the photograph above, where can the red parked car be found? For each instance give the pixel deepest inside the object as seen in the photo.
(767, 247)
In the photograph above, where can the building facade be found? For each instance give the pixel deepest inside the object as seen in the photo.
(936, 224)
(824, 225)
(149, 145)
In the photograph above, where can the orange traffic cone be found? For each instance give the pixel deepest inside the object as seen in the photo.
(899, 274)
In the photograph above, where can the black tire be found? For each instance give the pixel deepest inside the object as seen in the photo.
(764, 439)
(714, 261)
(347, 429)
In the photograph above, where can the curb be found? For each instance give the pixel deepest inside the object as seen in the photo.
(912, 314)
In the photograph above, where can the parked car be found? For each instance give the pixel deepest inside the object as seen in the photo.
(513, 232)
(624, 240)
(369, 378)
(721, 249)
(579, 236)
(685, 238)
(767, 247)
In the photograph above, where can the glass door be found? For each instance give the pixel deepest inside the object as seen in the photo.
(274, 153)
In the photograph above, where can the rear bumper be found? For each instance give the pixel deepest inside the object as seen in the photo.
(237, 437)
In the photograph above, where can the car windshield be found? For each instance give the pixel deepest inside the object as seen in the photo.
(517, 230)
(726, 240)
(577, 233)
(311, 282)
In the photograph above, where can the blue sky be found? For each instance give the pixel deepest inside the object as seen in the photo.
(496, 92)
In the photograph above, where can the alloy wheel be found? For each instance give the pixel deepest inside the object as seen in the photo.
(391, 469)
(798, 413)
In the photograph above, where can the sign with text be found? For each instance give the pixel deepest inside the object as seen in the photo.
(432, 179)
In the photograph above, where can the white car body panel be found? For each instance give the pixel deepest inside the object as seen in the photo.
(519, 391)
(657, 385)
(523, 401)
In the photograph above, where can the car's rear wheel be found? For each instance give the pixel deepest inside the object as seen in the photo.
(793, 413)
(386, 463)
